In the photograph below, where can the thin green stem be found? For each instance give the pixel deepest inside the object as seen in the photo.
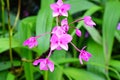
(57, 21)
(3, 21)
(10, 35)
(18, 14)
(46, 75)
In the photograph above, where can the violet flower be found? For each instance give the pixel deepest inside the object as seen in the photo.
(88, 21)
(118, 27)
(31, 42)
(78, 32)
(59, 8)
(61, 42)
(84, 55)
(45, 64)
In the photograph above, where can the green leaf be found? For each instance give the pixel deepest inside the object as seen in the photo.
(3, 74)
(44, 24)
(7, 64)
(110, 20)
(115, 64)
(10, 76)
(79, 74)
(97, 53)
(56, 75)
(94, 34)
(61, 54)
(79, 5)
(117, 35)
(4, 42)
(25, 31)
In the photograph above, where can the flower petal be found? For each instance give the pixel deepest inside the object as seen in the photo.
(43, 65)
(64, 46)
(66, 38)
(64, 22)
(88, 21)
(64, 13)
(54, 42)
(55, 13)
(58, 48)
(78, 32)
(36, 62)
(54, 46)
(54, 38)
(54, 7)
(50, 65)
(60, 2)
(80, 59)
(66, 7)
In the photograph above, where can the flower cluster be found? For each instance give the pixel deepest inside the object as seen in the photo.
(60, 37)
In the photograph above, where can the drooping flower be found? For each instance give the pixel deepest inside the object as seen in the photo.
(45, 64)
(64, 25)
(84, 55)
(118, 27)
(59, 8)
(31, 42)
(60, 42)
(78, 32)
(88, 21)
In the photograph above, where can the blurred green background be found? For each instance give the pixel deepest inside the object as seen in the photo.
(20, 19)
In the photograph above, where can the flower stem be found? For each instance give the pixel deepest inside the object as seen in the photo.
(46, 75)
(76, 21)
(49, 53)
(74, 46)
(3, 21)
(43, 34)
(18, 14)
(57, 20)
(10, 35)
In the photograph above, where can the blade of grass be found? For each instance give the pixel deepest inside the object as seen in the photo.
(110, 20)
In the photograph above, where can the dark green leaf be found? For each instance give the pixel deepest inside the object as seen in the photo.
(110, 21)
(44, 24)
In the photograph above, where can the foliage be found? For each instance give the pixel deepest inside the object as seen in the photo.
(103, 42)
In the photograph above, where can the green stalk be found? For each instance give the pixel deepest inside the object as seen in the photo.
(46, 75)
(10, 35)
(18, 14)
(3, 21)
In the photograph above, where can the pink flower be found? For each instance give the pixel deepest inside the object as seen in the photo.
(84, 55)
(45, 64)
(60, 8)
(118, 27)
(64, 25)
(88, 21)
(78, 32)
(60, 42)
(58, 31)
(31, 42)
